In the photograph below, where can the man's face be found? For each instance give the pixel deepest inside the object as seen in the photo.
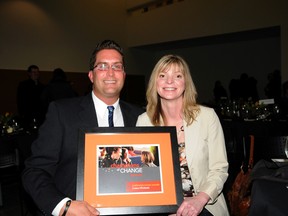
(34, 74)
(107, 82)
(116, 155)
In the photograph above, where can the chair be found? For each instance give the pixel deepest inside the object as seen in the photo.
(270, 147)
(269, 197)
(9, 166)
(269, 192)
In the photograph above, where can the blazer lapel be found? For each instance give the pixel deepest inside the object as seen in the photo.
(87, 112)
(191, 140)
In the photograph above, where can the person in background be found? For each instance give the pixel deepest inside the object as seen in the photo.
(171, 97)
(235, 89)
(273, 87)
(29, 97)
(101, 155)
(102, 152)
(131, 152)
(219, 92)
(57, 88)
(50, 173)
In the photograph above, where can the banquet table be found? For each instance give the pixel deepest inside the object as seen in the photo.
(21, 141)
(234, 131)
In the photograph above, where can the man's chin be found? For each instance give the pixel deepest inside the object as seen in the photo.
(112, 92)
(112, 95)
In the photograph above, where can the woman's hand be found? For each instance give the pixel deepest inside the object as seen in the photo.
(192, 206)
(80, 208)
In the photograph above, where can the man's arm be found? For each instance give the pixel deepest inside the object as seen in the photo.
(39, 173)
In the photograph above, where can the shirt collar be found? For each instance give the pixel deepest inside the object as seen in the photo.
(101, 106)
(102, 111)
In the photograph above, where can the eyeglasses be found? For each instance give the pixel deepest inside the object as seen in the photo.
(105, 67)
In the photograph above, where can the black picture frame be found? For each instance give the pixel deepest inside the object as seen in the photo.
(168, 182)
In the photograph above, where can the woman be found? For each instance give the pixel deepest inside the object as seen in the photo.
(125, 157)
(147, 159)
(171, 97)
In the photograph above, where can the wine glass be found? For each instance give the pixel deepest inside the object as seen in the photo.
(286, 147)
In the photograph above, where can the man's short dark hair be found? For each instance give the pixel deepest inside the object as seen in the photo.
(31, 67)
(106, 44)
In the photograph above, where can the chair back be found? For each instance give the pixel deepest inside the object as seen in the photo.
(9, 155)
(270, 147)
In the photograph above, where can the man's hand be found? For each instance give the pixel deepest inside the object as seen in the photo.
(80, 208)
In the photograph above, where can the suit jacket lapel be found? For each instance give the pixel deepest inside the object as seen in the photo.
(126, 113)
(87, 112)
(88, 115)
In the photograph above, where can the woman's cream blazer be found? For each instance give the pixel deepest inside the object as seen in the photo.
(206, 157)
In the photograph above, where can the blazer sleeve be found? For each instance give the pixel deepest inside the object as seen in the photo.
(50, 173)
(210, 164)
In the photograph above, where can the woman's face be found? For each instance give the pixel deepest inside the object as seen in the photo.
(142, 158)
(170, 83)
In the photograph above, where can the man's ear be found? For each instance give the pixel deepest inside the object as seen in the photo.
(90, 76)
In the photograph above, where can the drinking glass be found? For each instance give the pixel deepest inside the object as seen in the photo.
(286, 147)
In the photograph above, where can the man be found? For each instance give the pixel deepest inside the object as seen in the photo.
(28, 97)
(50, 173)
(113, 157)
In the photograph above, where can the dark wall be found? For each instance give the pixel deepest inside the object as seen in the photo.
(134, 89)
(10, 79)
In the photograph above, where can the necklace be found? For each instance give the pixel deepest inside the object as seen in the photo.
(181, 129)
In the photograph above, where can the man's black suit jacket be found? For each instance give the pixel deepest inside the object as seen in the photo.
(50, 173)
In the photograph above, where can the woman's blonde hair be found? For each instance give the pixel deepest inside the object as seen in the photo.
(190, 107)
(148, 156)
